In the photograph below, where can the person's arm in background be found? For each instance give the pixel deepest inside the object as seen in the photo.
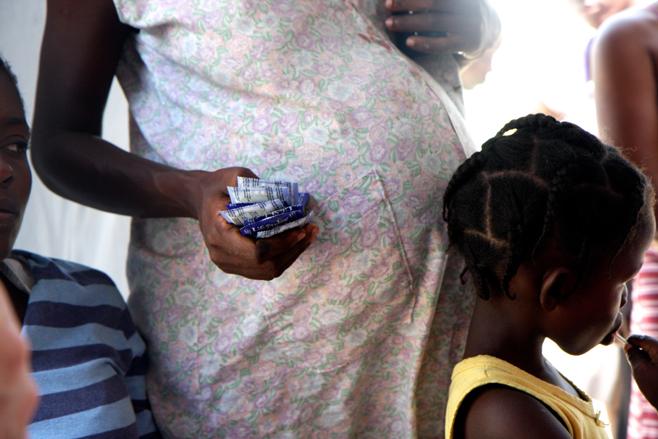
(18, 393)
(625, 84)
(642, 352)
(81, 47)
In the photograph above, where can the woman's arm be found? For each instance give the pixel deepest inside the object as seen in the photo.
(625, 83)
(81, 47)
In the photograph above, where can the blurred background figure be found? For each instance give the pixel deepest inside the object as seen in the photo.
(570, 96)
(597, 11)
(625, 59)
(474, 70)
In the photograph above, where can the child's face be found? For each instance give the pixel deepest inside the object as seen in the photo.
(15, 179)
(592, 314)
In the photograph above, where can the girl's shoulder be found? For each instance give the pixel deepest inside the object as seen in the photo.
(496, 411)
(492, 398)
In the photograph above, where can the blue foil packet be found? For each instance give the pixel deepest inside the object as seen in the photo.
(283, 227)
(273, 220)
(291, 187)
(241, 214)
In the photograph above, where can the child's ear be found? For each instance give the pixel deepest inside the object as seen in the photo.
(557, 284)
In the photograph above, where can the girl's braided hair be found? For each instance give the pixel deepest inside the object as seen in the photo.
(537, 180)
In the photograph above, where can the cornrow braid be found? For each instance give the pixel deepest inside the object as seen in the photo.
(540, 180)
(635, 188)
(465, 172)
(562, 180)
(533, 121)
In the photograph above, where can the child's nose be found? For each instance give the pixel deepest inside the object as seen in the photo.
(6, 172)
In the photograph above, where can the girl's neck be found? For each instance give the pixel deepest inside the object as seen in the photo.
(493, 333)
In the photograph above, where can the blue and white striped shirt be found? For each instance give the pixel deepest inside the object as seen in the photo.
(88, 359)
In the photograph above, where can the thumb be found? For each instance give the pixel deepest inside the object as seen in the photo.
(643, 347)
(638, 358)
(231, 175)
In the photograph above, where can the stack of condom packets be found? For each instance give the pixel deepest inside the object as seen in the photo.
(266, 208)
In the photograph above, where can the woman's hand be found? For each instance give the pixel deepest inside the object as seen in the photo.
(18, 394)
(642, 353)
(436, 26)
(263, 259)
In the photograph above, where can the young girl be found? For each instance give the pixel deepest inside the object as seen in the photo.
(552, 224)
(88, 360)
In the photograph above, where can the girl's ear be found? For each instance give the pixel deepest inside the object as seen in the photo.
(557, 284)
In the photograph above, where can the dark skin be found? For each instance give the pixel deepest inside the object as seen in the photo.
(642, 353)
(625, 60)
(18, 393)
(459, 20)
(15, 179)
(550, 301)
(81, 47)
(505, 413)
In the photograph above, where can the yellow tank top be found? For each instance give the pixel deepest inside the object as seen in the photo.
(579, 415)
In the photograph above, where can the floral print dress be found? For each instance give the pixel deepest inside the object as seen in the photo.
(358, 337)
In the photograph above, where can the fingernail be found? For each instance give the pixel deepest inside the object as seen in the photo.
(389, 22)
(411, 42)
(300, 235)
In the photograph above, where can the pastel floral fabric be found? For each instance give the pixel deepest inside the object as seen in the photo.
(359, 336)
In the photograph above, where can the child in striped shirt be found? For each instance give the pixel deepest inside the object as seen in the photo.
(88, 360)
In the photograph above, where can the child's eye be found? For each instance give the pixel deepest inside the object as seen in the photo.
(16, 147)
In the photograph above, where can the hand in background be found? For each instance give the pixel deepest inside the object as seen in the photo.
(642, 353)
(436, 26)
(18, 393)
(263, 259)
